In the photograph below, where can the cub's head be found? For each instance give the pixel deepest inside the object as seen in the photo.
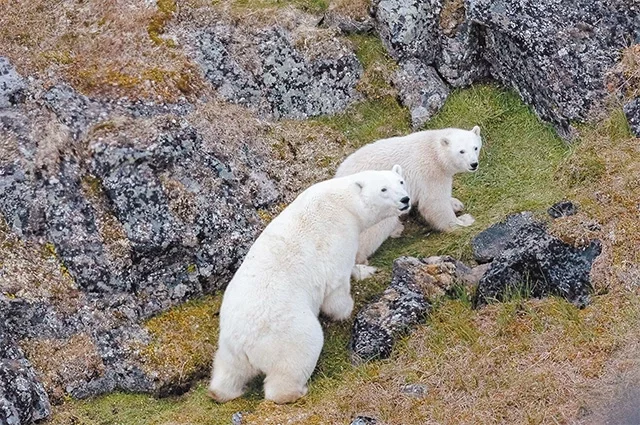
(463, 148)
(383, 193)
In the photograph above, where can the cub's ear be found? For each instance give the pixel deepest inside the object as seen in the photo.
(476, 130)
(397, 169)
(444, 142)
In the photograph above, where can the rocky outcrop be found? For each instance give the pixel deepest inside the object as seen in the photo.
(531, 262)
(489, 244)
(554, 54)
(12, 85)
(265, 71)
(405, 303)
(421, 90)
(562, 209)
(22, 396)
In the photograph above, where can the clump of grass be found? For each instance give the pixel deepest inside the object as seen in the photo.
(166, 9)
(309, 6)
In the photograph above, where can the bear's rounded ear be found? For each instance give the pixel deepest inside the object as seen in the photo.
(397, 169)
(444, 142)
(476, 130)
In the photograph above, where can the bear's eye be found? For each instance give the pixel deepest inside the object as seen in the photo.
(462, 152)
(384, 189)
(476, 148)
(402, 182)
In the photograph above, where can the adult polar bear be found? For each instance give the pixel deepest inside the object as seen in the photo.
(429, 159)
(299, 265)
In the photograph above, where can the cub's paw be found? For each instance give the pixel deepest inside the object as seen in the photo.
(456, 205)
(466, 220)
(397, 232)
(361, 272)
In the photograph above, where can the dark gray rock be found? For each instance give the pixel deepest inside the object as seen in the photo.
(536, 264)
(74, 110)
(490, 243)
(23, 399)
(555, 54)
(282, 82)
(400, 307)
(421, 90)
(12, 86)
(632, 112)
(562, 209)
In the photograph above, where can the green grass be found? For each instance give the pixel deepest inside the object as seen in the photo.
(519, 160)
(518, 166)
(310, 6)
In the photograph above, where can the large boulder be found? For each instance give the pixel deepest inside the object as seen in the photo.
(532, 262)
(555, 54)
(264, 70)
(12, 86)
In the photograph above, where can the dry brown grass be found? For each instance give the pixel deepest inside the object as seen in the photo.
(625, 76)
(100, 47)
(355, 9)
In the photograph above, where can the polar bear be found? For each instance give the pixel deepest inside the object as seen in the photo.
(429, 160)
(299, 266)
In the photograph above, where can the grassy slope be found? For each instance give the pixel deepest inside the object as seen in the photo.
(516, 362)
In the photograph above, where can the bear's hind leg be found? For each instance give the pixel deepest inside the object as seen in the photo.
(292, 360)
(230, 375)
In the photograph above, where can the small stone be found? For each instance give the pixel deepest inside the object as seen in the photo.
(236, 418)
(414, 390)
(364, 420)
(562, 209)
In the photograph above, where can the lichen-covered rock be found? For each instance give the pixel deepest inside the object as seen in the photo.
(489, 243)
(535, 263)
(364, 420)
(404, 304)
(421, 90)
(273, 77)
(632, 112)
(555, 54)
(12, 85)
(23, 399)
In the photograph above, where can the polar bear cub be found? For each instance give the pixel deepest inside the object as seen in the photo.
(429, 159)
(298, 267)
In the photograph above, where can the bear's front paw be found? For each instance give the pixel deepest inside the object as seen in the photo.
(361, 272)
(465, 220)
(456, 205)
(397, 232)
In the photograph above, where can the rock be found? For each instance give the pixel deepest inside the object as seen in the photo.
(555, 54)
(23, 399)
(414, 390)
(562, 209)
(537, 264)
(421, 90)
(364, 420)
(404, 304)
(236, 418)
(489, 243)
(12, 86)
(282, 82)
(632, 112)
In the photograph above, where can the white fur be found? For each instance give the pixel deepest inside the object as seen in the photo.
(299, 265)
(429, 159)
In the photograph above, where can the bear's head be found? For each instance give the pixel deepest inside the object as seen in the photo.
(383, 194)
(462, 149)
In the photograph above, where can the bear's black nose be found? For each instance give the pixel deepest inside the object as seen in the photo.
(405, 200)
(474, 165)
